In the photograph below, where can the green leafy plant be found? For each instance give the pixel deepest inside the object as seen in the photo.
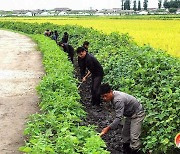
(151, 75)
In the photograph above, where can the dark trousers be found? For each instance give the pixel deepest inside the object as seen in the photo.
(70, 57)
(96, 82)
(81, 63)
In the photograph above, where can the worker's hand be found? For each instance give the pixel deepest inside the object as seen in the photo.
(84, 79)
(86, 76)
(104, 131)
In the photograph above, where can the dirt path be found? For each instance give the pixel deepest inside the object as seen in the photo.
(20, 72)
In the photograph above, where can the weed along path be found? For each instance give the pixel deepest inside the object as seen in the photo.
(20, 71)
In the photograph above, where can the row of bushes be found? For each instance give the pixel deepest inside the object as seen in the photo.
(150, 75)
(57, 129)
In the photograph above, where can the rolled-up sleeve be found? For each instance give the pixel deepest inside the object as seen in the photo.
(119, 109)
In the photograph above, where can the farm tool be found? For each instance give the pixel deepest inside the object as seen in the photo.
(80, 84)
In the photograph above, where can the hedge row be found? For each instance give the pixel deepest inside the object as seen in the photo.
(58, 129)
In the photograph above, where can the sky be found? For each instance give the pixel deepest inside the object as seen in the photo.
(72, 4)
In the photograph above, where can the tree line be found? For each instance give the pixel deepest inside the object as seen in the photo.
(137, 4)
(172, 4)
(127, 3)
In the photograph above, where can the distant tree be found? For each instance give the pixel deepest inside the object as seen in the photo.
(159, 3)
(139, 5)
(122, 5)
(172, 10)
(172, 4)
(134, 6)
(127, 5)
(175, 3)
(166, 4)
(145, 4)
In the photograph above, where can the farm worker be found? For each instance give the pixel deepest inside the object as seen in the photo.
(65, 37)
(47, 32)
(81, 61)
(86, 45)
(129, 107)
(68, 49)
(54, 35)
(96, 71)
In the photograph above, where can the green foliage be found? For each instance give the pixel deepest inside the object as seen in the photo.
(145, 4)
(154, 78)
(159, 4)
(127, 5)
(172, 4)
(139, 5)
(57, 130)
(172, 10)
(150, 75)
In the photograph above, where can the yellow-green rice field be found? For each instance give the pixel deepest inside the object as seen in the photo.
(163, 34)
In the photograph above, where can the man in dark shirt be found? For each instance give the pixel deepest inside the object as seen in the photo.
(65, 37)
(129, 107)
(56, 35)
(81, 61)
(86, 45)
(69, 49)
(95, 70)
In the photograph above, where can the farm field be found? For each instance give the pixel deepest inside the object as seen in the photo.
(150, 75)
(161, 34)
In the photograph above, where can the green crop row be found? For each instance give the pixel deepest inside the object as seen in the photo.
(152, 76)
(58, 129)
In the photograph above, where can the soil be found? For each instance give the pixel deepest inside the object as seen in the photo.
(101, 119)
(20, 71)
